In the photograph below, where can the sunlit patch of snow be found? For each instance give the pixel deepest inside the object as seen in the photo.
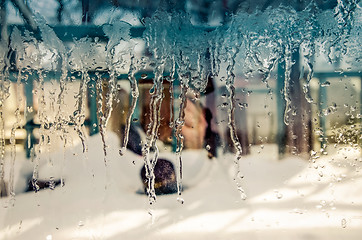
(22, 226)
(110, 225)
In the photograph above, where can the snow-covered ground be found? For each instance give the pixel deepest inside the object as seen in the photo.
(290, 198)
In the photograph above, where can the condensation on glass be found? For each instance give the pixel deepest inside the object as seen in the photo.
(149, 110)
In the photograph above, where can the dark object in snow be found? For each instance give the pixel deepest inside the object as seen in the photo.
(165, 178)
(42, 185)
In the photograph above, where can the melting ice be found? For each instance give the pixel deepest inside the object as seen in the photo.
(252, 43)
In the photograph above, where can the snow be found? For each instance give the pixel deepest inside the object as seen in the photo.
(290, 198)
(287, 198)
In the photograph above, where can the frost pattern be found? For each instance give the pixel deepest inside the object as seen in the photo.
(252, 43)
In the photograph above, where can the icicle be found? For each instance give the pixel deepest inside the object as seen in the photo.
(179, 123)
(171, 90)
(212, 57)
(79, 115)
(82, 58)
(135, 95)
(231, 55)
(231, 124)
(4, 94)
(306, 87)
(308, 47)
(60, 122)
(152, 132)
(56, 46)
(109, 103)
(18, 46)
(159, 41)
(116, 32)
(15, 126)
(100, 115)
(214, 51)
(44, 123)
(286, 93)
(107, 108)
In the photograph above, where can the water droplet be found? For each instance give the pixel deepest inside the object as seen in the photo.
(278, 194)
(319, 206)
(208, 147)
(298, 211)
(339, 70)
(325, 84)
(120, 152)
(344, 223)
(242, 195)
(327, 112)
(180, 200)
(144, 76)
(30, 109)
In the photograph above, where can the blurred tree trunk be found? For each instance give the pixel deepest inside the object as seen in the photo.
(298, 134)
(3, 188)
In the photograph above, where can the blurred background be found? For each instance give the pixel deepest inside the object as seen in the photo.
(260, 107)
(71, 71)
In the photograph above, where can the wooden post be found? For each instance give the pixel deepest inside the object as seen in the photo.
(296, 137)
(299, 131)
